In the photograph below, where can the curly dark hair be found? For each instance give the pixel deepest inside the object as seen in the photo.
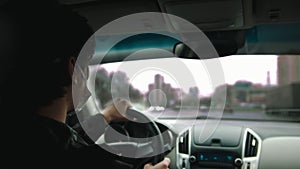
(42, 36)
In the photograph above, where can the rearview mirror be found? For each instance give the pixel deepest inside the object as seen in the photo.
(225, 43)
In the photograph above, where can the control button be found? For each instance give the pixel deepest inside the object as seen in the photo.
(238, 162)
(229, 158)
(215, 158)
(201, 157)
(192, 159)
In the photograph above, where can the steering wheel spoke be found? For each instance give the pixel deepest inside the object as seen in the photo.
(138, 151)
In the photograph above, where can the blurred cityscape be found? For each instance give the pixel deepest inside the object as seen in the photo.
(241, 96)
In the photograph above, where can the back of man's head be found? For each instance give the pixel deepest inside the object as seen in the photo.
(41, 36)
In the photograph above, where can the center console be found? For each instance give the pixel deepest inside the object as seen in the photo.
(228, 147)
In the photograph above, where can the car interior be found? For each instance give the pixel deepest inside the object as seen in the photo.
(201, 82)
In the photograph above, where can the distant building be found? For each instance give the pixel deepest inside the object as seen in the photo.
(161, 93)
(223, 96)
(178, 94)
(242, 93)
(155, 93)
(288, 69)
(268, 79)
(194, 91)
(158, 81)
(257, 94)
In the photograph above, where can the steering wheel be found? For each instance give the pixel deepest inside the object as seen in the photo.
(134, 152)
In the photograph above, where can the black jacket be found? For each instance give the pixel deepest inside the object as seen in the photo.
(43, 142)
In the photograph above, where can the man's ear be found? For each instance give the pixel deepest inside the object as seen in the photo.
(71, 66)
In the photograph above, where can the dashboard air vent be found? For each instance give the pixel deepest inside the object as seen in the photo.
(251, 145)
(183, 144)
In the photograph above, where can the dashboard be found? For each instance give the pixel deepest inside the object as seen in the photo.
(227, 147)
(231, 144)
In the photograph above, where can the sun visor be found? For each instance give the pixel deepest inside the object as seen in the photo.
(210, 15)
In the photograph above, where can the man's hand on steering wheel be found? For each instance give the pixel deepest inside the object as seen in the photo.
(164, 164)
(116, 110)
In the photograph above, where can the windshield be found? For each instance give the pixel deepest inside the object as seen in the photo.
(256, 87)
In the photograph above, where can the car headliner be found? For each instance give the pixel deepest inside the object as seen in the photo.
(269, 26)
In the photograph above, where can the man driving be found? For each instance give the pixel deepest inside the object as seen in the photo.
(43, 40)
